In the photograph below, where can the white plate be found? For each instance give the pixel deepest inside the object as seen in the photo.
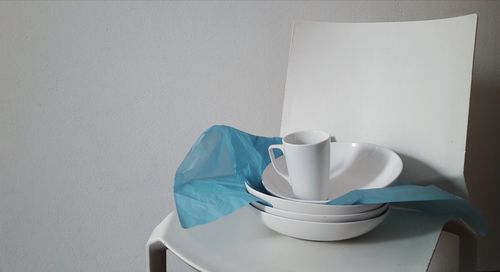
(322, 218)
(318, 231)
(310, 208)
(352, 166)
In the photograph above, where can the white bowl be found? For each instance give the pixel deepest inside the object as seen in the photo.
(352, 166)
(310, 208)
(322, 218)
(318, 231)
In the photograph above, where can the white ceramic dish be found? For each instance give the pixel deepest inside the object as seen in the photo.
(310, 208)
(322, 218)
(318, 231)
(352, 166)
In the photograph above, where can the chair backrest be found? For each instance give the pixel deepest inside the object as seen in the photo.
(403, 85)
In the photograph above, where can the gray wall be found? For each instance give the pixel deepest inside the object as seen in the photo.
(100, 101)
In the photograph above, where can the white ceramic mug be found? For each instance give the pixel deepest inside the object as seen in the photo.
(307, 156)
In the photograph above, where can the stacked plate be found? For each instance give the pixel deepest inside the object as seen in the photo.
(353, 166)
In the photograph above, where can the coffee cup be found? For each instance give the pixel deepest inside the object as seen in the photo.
(307, 156)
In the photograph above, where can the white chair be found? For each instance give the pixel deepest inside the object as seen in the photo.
(404, 85)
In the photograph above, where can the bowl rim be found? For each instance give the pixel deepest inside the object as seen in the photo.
(295, 221)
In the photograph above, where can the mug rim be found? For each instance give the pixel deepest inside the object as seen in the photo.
(324, 133)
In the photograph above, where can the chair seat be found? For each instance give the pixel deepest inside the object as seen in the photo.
(240, 242)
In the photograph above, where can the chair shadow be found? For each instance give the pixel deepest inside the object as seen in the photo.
(421, 173)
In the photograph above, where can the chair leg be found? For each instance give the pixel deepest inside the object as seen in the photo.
(467, 254)
(156, 257)
(467, 246)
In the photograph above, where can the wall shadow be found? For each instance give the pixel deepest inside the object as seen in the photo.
(482, 160)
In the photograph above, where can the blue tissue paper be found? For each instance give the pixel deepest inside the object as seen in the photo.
(429, 199)
(210, 182)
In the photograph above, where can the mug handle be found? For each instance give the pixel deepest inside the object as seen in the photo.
(273, 159)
